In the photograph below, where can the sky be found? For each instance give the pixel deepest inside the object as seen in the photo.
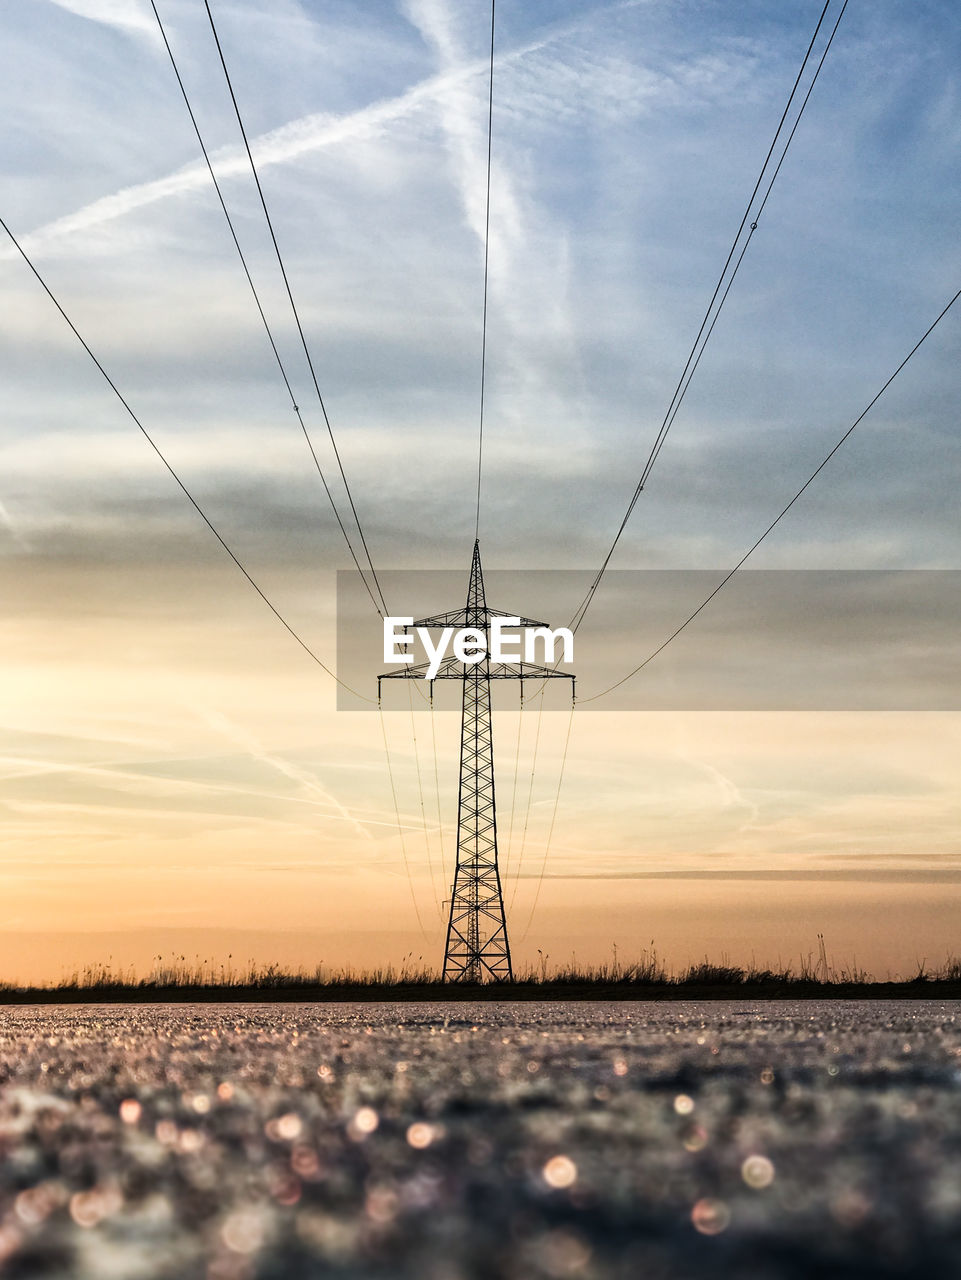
(175, 776)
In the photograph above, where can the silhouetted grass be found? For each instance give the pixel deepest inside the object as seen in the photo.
(648, 976)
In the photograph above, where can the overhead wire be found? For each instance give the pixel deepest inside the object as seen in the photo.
(169, 466)
(259, 305)
(382, 608)
(782, 513)
(530, 795)
(428, 701)
(550, 829)
(423, 806)
(737, 266)
(400, 826)
(480, 460)
(712, 313)
(487, 242)
(517, 762)
(293, 304)
(440, 821)
(718, 297)
(716, 304)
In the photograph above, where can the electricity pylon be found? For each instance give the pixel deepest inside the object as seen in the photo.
(477, 948)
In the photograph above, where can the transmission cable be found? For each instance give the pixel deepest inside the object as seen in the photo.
(737, 266)
(260, 309)
(440, 820)
(517, 762)
(400, 827)
(550, 830)
(487, 242)
(160, 454)
(814, 474)
(530, 793)
(293, 305)
(381, 608)
(717, 297)
(423, 806)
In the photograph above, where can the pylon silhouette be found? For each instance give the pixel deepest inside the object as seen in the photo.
(477, 947)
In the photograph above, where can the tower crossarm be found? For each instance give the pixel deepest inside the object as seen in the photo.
(452, 669)
(456, 618)
(521, 622)
(478, 617)
(449, 669)
(526, 671)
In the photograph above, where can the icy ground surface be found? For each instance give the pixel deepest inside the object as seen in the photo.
(638, 1140)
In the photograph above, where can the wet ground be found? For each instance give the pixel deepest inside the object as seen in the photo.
(442, 1142)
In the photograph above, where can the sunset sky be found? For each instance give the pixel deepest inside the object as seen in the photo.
(174, 773)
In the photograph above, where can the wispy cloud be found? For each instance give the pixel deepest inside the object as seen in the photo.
(126, 15)
(461, 97)
(280, 146)
(309, 781)
(526, 301)
(454, 87)
(7, 523)
(136, 790)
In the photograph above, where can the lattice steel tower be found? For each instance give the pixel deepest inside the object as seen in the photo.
(477, 947)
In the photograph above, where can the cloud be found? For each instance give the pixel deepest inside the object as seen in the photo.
(529, 306)
(319, 131)
(125, 15)
(308, 781)
(309, 134)
(7, 522)
(464, 122)
(49, 787)
(861, 875)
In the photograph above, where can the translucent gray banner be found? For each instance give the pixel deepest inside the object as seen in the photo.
(772, 640)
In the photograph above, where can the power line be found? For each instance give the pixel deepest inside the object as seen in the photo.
(814, 474)
(517, 762)
(157, 450)
(423, 807)
(487, 243)
(293, 305)
(530, 792)
(717, 297)
(400, 826)
(440, 820)
(296, 408)
(550, 830)
(804, 103)
(673, 411)
(260, 309)
(737, 266)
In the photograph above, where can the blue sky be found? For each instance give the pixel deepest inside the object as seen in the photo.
(627, 137)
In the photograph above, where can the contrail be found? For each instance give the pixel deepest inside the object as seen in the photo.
(250, 744)
(299, 137)
(113, 773)
(122, 14)
(6, 520)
